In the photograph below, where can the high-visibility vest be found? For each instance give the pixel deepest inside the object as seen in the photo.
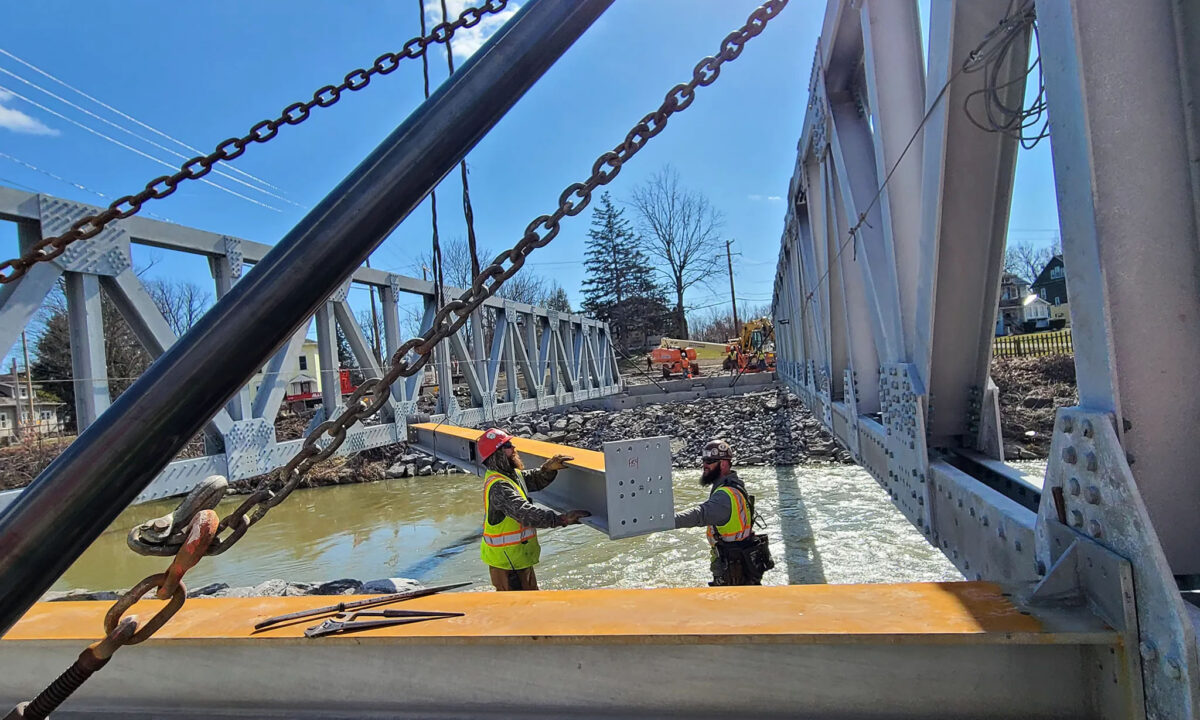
(739, 526)
(508, 545)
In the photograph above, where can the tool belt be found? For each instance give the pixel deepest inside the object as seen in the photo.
(743, 562)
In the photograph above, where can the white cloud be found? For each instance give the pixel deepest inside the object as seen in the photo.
(769, 198)
(774, 198)
(18, 121)
(467, 40)
(755, 198)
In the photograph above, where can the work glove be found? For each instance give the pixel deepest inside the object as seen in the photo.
(572, 517)
(558, 462)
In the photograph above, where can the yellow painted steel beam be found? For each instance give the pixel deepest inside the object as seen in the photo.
(955, 612)
(627, 488)
(934, 651)
(584, 459)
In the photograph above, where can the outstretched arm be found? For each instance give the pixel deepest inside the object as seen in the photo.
(713, 511)
(505, 498)
(538, 479)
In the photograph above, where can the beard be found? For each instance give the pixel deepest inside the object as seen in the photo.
(501, 463)
(709, 477)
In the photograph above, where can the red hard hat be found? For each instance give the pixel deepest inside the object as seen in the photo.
(490, 441)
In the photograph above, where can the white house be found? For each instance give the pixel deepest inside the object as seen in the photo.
(300, 373)
(1035, 313)
(15, 415)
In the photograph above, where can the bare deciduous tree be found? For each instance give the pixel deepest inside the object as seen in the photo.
(181, 303)
(681, 230)
(1025, 260)
(525, 286)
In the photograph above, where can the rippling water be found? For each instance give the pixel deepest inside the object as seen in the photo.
(827, 524)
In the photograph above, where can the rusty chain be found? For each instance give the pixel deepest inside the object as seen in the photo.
(197, 538)
(199, 166)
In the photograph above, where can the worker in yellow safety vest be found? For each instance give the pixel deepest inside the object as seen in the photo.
(739, 556)
(510, 545)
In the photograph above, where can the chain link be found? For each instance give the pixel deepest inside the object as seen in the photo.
(372, 395)
(88, 227)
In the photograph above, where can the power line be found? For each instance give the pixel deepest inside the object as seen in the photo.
(72, 183)
(131, 148)
(130, 118)
(140, 137)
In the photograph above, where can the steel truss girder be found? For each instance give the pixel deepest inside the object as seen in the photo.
(243, 433)
(1130, 255)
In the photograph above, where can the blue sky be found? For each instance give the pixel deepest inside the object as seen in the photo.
(201, 72)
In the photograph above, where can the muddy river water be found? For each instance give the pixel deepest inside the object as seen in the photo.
(827, 524)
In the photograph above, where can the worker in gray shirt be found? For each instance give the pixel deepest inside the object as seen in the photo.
(510, 546)
(739, 557)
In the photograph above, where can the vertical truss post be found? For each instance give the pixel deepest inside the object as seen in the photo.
(226, 269)
(1129, 241)
(512, 391)
(895, 89)
(327, 354)
(966, 193)
(86, 327)
(390, 305)
(445, 377)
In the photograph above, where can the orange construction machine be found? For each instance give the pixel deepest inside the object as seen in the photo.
(674, 361)
(753, 350)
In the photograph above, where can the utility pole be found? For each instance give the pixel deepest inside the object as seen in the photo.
(28, 381)
(732, 294)
(17, 428)
(374, 321)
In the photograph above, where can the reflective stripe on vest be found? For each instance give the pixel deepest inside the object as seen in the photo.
(509, 538)
(739, 525)
(508, 544)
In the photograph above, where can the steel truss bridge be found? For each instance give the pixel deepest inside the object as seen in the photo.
(887, 286)
(885, 299)
(536, 359)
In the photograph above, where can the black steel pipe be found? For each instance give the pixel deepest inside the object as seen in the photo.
(83, 491)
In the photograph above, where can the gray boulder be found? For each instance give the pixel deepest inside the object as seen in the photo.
(345, 586)
(387, 586)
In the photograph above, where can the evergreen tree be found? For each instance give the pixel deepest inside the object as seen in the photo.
(557, 299)
(620, 286)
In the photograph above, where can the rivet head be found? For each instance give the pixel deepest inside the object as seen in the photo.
(1095, 528)
(1068, 423)
(1073, 486)
(1069, 456)
(1148, 651)
(1076, 519)
(1092, 494)
(1088, 430)
(1090, 462)
(1174, 669)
